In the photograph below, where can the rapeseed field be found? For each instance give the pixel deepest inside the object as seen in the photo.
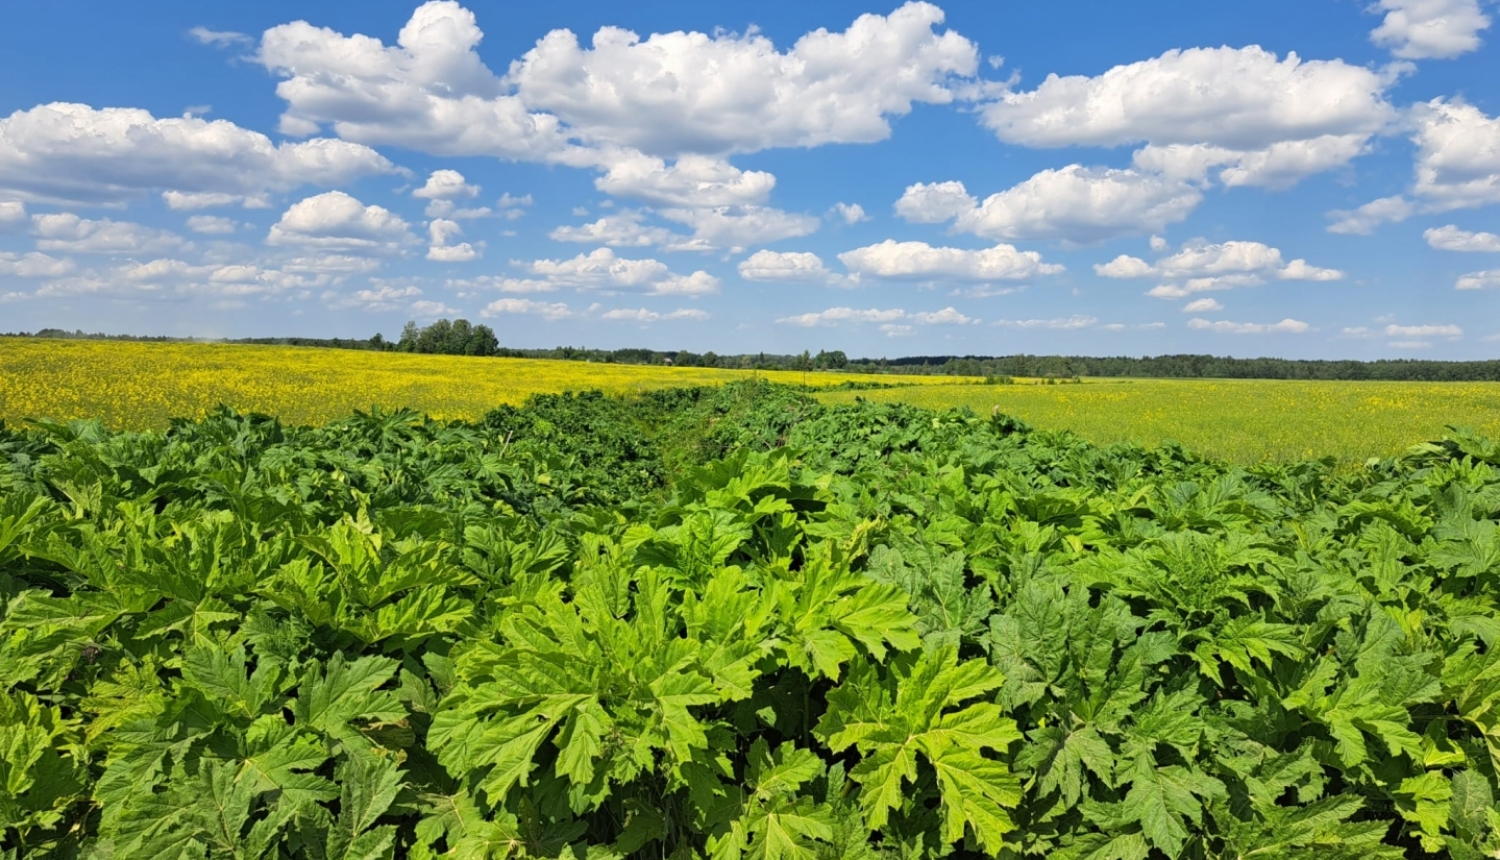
(139, 386)
(1243, 421)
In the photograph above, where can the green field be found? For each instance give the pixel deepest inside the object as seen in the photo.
(732, 623)
(1244, 421)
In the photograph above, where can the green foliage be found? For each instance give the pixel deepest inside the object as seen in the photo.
(737, 625)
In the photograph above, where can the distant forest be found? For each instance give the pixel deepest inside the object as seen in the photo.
(460, 337)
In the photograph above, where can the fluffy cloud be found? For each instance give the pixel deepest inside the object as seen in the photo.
(1075, 204)
(692, 180)
(443, 190)
(624, 229)
(892, 259)
(1286, 326)
(682, 92)
(1487, 280)
(642, 315)
(335, 221)
(12, 214)
(736, 227)
(219, 38)
(792, 267)
(74, 152)
(1451, 238)
(655, 115)
(383, 298)
(1458, 158)
(68, 233)
(1202, 306)
(839, 316)
(545, 310)
(212, 225)
(849, 213)
(1457, 167)
(1260, 119)
(446, 185)
(440, 231)
(429, 91)
(602, 270)
(34, 265)
(1203, 267)
(1364, 220)
(1422, 29)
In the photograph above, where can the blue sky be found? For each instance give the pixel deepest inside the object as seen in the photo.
(1304, 179)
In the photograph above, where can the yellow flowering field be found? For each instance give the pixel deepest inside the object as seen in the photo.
(1245, 421)
(132, 385)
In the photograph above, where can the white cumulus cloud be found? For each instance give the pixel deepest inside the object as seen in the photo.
(335, 221)
(1202, 267)
(1075, 204)
(73, 152)
(545, 310)
(1423, 29)
(1451, 238)
(1258, 118)
(793, 267)
(919, 260)
(1486, 280)
(1286, 326)
(1202, 306)
(601, 269)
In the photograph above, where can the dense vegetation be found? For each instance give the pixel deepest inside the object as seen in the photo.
(734, 623)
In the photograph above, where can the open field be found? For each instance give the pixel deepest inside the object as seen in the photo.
(134, 385)
(1245, 421)
(926, 636)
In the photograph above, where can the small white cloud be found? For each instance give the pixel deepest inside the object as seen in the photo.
(946, 316)
(1426, 29)
(642, 315)
(1075, 204)
(601, 269)
(440, 248)
(212, 225)
(836, 316)
(335, 221)
(739, 227)
(1364, 220)
(219, 38)
(1410, 344)
(623, 229)
(510, 201)
(545, 310)
(34, 265)
(1299, 270)
(921, 261)
(1158, 244)
(1072, 323)
(793, 267)
(1486, 280)
(849, 213)
(1124, 266)
(1451, 332)
(1450, 238)
(12, 214)
(1286, 326)
(1202, 306)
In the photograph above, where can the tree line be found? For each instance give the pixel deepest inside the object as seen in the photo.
(460, 337)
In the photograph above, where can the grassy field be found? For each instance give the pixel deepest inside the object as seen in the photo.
(1245, 421)
(133, 385)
